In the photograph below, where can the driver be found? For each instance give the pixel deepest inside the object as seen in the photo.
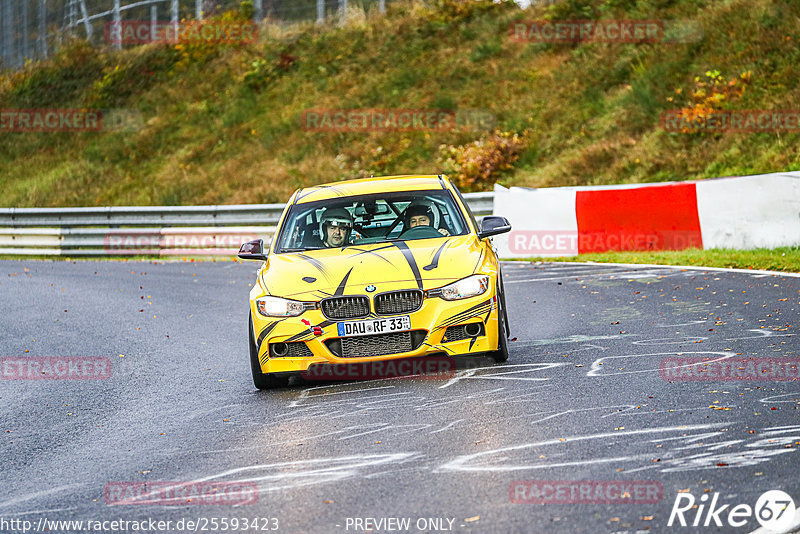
(335, 227)
(420, 214)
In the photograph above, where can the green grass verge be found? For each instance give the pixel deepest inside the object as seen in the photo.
(785, 259)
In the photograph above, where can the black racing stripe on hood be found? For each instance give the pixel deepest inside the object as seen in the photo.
(315, 262)
(340, 290)
(409, 256)
(373, 252)
(435, 262)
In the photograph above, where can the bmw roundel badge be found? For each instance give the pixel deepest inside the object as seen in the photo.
(370, 288)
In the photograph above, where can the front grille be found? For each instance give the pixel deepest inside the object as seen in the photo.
(376, 345)
(398, 302)
(345, 307)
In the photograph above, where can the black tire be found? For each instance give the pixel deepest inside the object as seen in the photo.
(262, 380)
(501, 354)
(502, 299)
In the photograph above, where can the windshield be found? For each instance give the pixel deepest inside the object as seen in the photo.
(368, 219)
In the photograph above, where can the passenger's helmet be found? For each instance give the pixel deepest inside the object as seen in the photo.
(336, 217)
(421, 207)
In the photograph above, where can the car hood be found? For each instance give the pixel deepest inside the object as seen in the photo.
(423, 263)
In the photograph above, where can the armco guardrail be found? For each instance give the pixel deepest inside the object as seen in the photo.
(149, 230)
(153, 216)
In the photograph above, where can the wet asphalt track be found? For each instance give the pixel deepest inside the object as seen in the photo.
(581, 398)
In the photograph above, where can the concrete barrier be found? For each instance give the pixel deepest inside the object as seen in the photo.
(747, 212)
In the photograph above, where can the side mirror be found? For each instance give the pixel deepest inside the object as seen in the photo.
(253, 250)
(492, 225)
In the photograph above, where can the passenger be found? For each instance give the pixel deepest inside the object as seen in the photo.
(421, 214)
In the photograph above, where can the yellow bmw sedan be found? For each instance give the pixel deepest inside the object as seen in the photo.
(371, 270)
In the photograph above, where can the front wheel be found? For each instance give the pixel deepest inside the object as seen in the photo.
(262, 380)
(501, 354)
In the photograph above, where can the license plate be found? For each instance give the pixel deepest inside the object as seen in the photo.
(369, 327)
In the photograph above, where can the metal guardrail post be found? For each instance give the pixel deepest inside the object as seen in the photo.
(117, 23)
(7, 37)
(87, 24)
(41, 38)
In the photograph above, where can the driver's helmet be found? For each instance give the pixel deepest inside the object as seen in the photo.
(421, 207)
(336, 217)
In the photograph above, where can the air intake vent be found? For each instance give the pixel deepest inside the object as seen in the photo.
(295, 349)
(376, 345)
(463, 331)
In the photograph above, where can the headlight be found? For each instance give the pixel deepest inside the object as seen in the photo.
(278, 307)
(468, 287)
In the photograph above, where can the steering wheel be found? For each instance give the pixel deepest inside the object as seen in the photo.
(419, 232)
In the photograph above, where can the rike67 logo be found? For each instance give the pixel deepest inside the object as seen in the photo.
(774, 510)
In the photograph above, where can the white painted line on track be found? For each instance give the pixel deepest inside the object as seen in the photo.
(584, 276)
(686, 267)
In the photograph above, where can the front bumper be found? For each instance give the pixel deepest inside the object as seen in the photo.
(315, 337)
